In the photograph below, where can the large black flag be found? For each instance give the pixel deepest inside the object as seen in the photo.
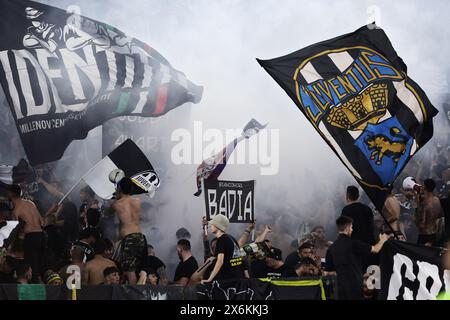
(355, 91)
(64, 74)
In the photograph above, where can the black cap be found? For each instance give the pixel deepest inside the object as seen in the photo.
(275, 253)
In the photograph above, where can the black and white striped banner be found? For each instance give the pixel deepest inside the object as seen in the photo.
(128, 158)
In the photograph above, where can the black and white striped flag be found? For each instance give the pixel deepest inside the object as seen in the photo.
(355, 91)
(129, 158)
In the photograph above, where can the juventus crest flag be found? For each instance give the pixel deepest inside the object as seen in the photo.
(355, 91)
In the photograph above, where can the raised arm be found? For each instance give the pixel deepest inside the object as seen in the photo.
(264, 234)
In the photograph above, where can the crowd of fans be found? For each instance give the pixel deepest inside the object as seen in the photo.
(52, 241)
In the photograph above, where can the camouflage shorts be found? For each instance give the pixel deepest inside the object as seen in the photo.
(133, 249)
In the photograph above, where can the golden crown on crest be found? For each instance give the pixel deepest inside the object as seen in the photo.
(367, 107)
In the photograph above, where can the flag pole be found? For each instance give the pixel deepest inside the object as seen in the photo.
(70, 190)
(205, 227)
(254, 220)
(78, 182)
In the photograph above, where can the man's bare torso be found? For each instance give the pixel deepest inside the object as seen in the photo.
(128, 211)
(391, 211)
(429, 211)
(26, 211)
(93, 271)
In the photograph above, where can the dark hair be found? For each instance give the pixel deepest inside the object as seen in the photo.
(317, 227)
(22, 269)
(125, 185)
(99, 246)
(109, 270)
(184, 244)
(342, 222)
(352, 193)
(88, 190)
(305, 245)
(429, 185)
(149, 246)
(150, 271)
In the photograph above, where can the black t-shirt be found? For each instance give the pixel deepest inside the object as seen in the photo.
(7, 278)
(154, 263)
(258, 269)
(233, 264)
(69, 214)
(292, 259)
(282, 272)
(362, 221)
(185, 269)
(344, 256)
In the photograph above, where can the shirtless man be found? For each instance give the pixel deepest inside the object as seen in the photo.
(34, 240)
(93, 270)
(134, 245)
(428, 211)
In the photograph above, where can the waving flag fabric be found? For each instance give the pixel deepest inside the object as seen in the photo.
(64, 74)
(355, 91)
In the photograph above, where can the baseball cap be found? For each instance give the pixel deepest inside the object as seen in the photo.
(275, 253)
(220, 221)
